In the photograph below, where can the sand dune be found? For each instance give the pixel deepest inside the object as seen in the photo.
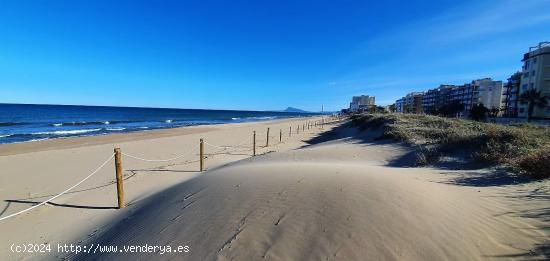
(33, 172)
(330, 194)
(339, 200)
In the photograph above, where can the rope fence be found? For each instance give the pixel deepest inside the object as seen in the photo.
(232, 146)
(160, 160)
(117, 155)
(65, 191)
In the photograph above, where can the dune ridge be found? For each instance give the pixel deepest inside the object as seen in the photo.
(337, 200)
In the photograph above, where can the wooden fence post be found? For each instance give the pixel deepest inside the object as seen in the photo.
(290, 132)
(119, 178)
(254, 143)
(298, 130)
(280, 135)
(202, 155)
(267, 140)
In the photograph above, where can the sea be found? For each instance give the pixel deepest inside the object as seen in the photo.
(33, 122)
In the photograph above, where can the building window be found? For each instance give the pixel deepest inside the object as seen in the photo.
(532, 86)
(524, 87)
(532, 73)
(535, 60)
(526, 66)
(526, 75)
(521, 110)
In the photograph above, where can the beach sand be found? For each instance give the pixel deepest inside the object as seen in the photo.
(331, 194)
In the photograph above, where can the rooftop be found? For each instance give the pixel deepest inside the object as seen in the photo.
(539, 46)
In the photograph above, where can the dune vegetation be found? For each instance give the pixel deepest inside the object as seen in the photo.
(524, 148)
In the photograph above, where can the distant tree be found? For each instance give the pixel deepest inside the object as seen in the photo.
(493, 112)
(392, 107)
(478, 112)
(450, 109)
(380, 109)
(433, 111)
(533, 98)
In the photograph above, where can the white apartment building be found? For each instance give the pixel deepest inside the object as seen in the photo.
(412, 103)
(363, 102)
(399, 105)
(486, 91)
(536, 75)
(490, 93)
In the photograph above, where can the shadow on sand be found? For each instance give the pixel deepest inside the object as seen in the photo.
(344, 132)
(30, 201)
(473, 174)
(58, 205)
(477, 174)
(487, 178)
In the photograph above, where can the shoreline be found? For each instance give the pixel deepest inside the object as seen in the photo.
(32, 123)
(320, 191)
(41, 170)
(16, 148)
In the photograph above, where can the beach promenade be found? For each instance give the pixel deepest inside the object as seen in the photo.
(330, 193)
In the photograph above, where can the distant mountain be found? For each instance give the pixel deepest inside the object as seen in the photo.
(295, 110)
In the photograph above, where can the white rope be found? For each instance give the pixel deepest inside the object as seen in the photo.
(243, 142)
(60, 194)
(216, 146)
(160, 160)
(226, 147)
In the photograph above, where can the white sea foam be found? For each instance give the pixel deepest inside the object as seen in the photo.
(58, 124)
(107, 123)
(235, 119)
(115, 129)
(144, 127)
(262, 118)
(38, 139)
(4, 136)
(67, 132)
(168, 121)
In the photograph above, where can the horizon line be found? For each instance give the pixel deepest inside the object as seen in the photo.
(147, 107)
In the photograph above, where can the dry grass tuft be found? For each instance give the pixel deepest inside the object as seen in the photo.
(525, 147)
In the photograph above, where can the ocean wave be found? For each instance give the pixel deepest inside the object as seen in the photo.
(168, 121)
(80, 123)
(235, 118)
(115, 129)
(22, 135)
(8, 124)
(38, 139)
(5, 136)
(262, 118)
(85, 123)
(65, 132)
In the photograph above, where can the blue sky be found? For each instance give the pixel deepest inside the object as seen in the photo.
(256, 55)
